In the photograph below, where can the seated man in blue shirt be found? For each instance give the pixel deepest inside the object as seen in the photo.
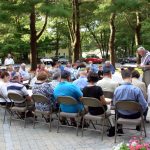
(127, 91)
(65, 88)
(82, 81)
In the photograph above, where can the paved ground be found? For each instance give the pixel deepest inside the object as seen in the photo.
(16, 137)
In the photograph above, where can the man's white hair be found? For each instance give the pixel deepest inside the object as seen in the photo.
(141, 48)
(107, 62)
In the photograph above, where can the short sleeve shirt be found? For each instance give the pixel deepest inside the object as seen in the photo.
(95, 92)
(145, 60)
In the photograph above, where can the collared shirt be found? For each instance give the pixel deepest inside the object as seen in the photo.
(94, 68)
(111, 67)
(68, 89)
(145, 60)
(81, 82)
(129, 92)
(9, 61)
(107, 84)
(24, 74)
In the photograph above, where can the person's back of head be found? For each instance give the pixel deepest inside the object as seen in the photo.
(135, 74)
(65, 75)
(106, 72)
(56, 76)
(15, 76)
(126, 74)
(92, 77)
(42, 76)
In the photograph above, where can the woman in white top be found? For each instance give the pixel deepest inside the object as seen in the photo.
(3, 88)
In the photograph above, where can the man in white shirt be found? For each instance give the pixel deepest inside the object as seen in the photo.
(107, 84)
(9, 60)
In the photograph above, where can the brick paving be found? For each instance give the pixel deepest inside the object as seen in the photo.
(16, 137)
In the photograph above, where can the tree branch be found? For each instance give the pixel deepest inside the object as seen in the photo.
(130, 25)
(44, 26)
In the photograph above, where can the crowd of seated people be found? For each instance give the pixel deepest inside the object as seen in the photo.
(75, 81)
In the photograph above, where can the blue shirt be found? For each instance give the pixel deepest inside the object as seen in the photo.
(68, 89)
(94, 68)
(111, 67)
(81, 82)
(127, 91)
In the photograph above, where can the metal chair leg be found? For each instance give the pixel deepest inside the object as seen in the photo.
(77, 126)
(83, 125)
(58, 123)
(144, 128)
(10, 119)
(4, 116)
(25, 119)
(103, 128)
(34, 121)
(50, 122)
(115, 131)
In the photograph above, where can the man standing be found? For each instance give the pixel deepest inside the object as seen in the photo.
(9, 60)
(145, 64)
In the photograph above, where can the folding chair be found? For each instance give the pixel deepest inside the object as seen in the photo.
(93, 102)
(38, 98)
(16, 109)
(129, 106)
(67, 100)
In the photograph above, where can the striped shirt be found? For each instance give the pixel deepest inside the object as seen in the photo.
(18, 88)
(145, 60)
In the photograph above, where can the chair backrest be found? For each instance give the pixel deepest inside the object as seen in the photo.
(17, 98)
(40, 98)
(91, 102)
(67, 100)
(108, 94)
(128, 105)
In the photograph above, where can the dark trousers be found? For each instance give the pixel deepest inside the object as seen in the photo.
(132, 116)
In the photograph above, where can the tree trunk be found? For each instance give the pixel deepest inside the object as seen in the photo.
(33, 40)
(138, 33)
(112, 38)
(76, 29)
(138, 30)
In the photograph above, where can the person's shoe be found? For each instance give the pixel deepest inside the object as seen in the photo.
(29, 114)
(120, 131)
(111, 132)
(138, 128)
